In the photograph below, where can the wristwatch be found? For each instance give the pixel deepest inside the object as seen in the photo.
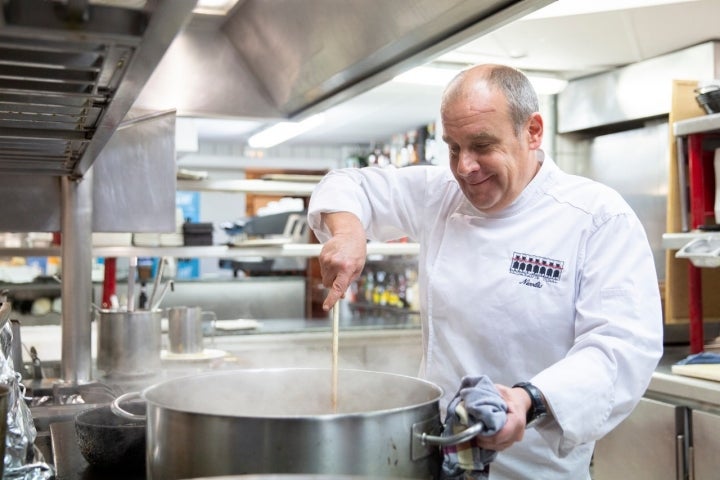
(538, 409)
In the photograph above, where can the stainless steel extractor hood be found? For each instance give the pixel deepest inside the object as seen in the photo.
(289, 58)
(69, 72)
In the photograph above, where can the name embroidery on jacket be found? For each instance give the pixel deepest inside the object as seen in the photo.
(536, 269)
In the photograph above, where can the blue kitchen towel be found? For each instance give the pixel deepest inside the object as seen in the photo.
(700, 358)
(477, 401)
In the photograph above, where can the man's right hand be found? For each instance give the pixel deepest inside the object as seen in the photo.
(342, 258)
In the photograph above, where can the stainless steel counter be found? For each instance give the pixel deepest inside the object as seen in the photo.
(694, 390)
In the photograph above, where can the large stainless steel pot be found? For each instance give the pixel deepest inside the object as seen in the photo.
(281, 421)
(270, 476)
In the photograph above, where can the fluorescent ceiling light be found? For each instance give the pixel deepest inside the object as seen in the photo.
(547, 85)
(427, 75)
(214, 7)
(283, 131)
(133, 4)
(562, 8)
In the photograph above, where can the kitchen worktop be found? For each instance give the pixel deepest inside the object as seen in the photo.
(294, 325)
(666, 383)
(47, 338)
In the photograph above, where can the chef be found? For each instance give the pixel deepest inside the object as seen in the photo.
(540, 280)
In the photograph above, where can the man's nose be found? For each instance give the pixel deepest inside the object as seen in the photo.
(467, 163)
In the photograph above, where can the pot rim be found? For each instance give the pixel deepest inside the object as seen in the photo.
(148, 391)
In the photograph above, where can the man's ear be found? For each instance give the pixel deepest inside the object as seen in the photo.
(535, 131)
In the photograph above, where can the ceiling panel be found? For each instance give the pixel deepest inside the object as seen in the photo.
(671, 27)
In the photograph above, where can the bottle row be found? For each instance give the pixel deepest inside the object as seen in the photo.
(411, 148)
(384, 287)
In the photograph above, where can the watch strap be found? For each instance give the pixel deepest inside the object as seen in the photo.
(537, 409)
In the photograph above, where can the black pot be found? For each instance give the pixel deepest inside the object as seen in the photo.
(111, 442)
(709, 99)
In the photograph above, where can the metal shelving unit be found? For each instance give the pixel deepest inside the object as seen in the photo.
(70, 73)
(694, 136)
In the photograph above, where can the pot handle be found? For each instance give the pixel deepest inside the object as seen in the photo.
(119, 411)
(456, 439)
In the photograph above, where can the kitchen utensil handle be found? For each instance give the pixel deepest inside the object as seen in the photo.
(156, 305)
(456, 439)
(132, 268)
(213, 320)
(120, 412)
(156, 283)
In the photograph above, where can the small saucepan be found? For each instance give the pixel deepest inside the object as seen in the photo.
(108, 441)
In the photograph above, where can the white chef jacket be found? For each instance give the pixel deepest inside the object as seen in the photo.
(558, 289)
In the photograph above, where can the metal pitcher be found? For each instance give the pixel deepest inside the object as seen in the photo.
(186, 329)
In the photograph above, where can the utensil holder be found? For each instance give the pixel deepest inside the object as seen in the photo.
(129, 343)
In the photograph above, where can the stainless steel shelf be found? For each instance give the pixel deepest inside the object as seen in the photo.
(675, 241)
(373, 248)
(30, 252)
(180, 252)
(266, 187)
(298, 250)
(705, 123)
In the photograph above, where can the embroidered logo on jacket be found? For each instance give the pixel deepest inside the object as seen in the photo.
(534, 267)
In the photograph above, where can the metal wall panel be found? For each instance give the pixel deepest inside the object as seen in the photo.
(133, 185)
(134, 177)
(638, 91)
(29, 203)
(635, 163)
